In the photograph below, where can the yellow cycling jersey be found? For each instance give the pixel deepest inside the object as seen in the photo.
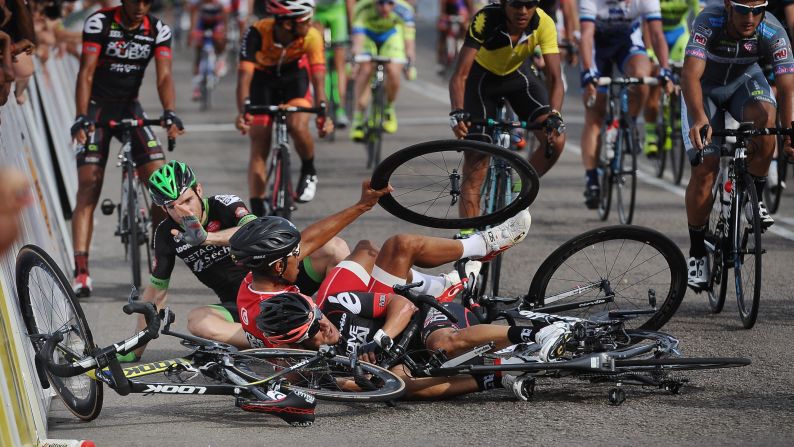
(496, 52)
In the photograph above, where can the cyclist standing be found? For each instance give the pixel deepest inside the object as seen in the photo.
(385, 28)
(197, 230)
(213, 16)
(334, 15)
(281, 57)
(722, 73)
(494, 63)
(612, 36)
(118, 44)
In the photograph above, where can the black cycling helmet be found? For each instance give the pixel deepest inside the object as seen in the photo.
(264, 241)
(285, 318)
(169, 181)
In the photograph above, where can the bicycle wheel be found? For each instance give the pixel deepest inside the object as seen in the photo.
(677, 364)
(605, 176)
(429, 183)
(330, 379)
(495, 269)
(626, 178)
(375, 128)
(48, 304)
(144, 221)
(280, 185)
(747, 259)
(772, 195)
(660, 161)
(716, 244)
(132, 224)
(677, 151)
(634, 263)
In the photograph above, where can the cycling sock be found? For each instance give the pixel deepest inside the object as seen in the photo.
(383, 281)
(520, 334)
(474, 246)
(432, 284)
(307, 167)
(592, 176)
(697, 241)
(257, 206)
(80, 263)
(487, 381)
(760, 184)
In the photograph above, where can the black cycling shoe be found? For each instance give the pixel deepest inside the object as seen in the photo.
(592, 195)
(295, 407)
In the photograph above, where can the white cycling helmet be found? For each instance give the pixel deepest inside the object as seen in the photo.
(290, 8)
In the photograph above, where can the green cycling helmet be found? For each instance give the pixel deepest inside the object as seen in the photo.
(169, 182)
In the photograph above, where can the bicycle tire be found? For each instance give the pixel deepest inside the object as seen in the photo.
(495, 270)
(375, 128)
(678, 364)
(627, 176)
(132, 222)
(605, 176)
(772, 196)
(262, 363)
(45, 311)
(145, 222)
(280, 189)
(716, 244)
(663, 270)
(747, 241)
(437, 160)
(660, 161)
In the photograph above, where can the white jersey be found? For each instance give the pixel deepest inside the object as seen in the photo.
(618, 14)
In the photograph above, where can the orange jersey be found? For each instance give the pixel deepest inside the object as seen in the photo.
(260, 51)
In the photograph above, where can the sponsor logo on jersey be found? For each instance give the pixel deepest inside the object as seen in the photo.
(128, 50)
(357, 336)
(163, 32)
(240, 212)
(751, 46)
(227, 199)
(93, 25)
(699, 39)
(244, 315)
(347, 300)
(703, 30)
(716, 22)
(786, 69)
(766, 31)
(115, 34)
(780, 54)
(213, 226)
(182, 248)
(696, 53)
(780, 43)
(382, 300)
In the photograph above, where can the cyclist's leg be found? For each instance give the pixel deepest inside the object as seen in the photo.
(218, 322)
(593, 119)
(147, 153)
(480, 103)
(314, 268)
(262, 86)
(297, 92)
(362, 75)
(393, 47)
(336, 19)
(637, 64)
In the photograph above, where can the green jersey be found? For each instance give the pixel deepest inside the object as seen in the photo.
(675, 13)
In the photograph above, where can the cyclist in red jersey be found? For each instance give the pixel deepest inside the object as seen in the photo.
(118, 44)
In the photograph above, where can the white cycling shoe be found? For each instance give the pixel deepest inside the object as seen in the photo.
(506, 234)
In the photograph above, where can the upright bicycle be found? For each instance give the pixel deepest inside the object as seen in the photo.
(208, 78)
(668, 126)
(373, 124)
(281, 382)
(132, 210)
(733, 238)
(453, 41)
(279, 178)
(617, 161)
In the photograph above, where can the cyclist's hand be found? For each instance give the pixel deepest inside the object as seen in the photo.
(458, 119)
(589, 78)
(324, 125)
(243, 123)
(555, 126)
(694, 133)
(81, 128)
(366, 352)
(24, 46)
(409, 70)
(789, 149)
(369, 196)
(667, 76)
(172, 123)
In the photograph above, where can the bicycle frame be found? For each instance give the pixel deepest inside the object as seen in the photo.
(207, 64)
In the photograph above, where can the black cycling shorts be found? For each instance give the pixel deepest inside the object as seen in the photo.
(435, 320)
(145, 146)
(525, 93)
(271, 89)
(304, 281)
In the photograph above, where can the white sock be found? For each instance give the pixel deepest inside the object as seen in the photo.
(474, 246)
(432, 284)
(382, 281)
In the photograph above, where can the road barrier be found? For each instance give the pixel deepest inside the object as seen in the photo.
(34, 139)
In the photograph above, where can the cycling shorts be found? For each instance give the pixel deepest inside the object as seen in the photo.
(435, 320)
(308, 280)
(228, 309)
(750, 87)
(677, 39)
(611, 51)
(526, 94)
(145, 146)
(271, 88)
(387, 44)
(334, 17)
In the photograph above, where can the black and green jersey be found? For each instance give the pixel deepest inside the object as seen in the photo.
(211, 264)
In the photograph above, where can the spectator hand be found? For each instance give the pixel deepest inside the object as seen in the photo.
(15, 194)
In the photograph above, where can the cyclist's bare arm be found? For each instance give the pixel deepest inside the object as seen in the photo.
(244, 76)
(85, 78)
(410, 49)
(785, 93)
(586, 45)
(320, 232)
(350, 5)
(554, 72)
(660, 48)
(570, 15)
(693, 97)
(165, 89)
(457, 86)
(399, 311)
(154, 295)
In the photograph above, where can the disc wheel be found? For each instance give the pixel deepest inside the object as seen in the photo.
(430, 184)
(747, 259)
(634, 263)
(48, 305)
(330, 379)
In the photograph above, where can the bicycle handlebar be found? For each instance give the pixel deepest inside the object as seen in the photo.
(647, 80)
(273, 110)
(419, 299)
(745, 130)
(507, 124)
(361, 58)
(132, 123)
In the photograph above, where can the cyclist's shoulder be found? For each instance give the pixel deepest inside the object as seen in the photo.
(771, 28)
(313, 37)
(487, 21)
(98, 21)
(404, 10)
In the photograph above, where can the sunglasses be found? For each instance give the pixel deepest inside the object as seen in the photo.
(518, 4)
(295, 252)
(744, 10)
(385, 2)
(314, 327)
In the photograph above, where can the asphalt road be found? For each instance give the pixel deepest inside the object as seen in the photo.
(751, 405)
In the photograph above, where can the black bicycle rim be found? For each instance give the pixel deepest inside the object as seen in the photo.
(678, 364)
(747, 261)
(716, 237)
(677, 152)
(627, 178)
(422, 174)
(605, 177)
(635, 262)
(48, 303)
(495, 270)
(132, 221)
(327, 380)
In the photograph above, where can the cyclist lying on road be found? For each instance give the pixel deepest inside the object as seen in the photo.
(211, 221)
(362, 312)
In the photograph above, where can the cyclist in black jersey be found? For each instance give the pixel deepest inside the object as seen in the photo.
(118, 44)
(197, 230)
